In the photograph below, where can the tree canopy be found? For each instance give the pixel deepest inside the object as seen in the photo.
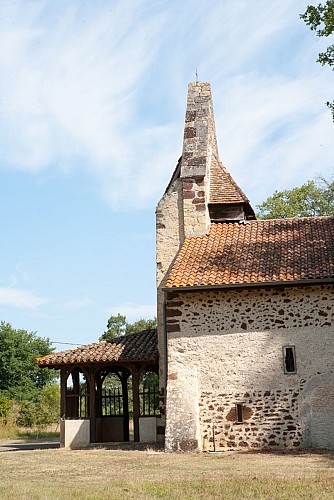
(140, 325)
(321, 20)
(20, 376)
(311, 199)
(118, 326)
(44, 410)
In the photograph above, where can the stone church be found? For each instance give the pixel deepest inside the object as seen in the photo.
(245, 309)
(244, 347)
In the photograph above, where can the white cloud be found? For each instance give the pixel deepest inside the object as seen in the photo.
(102, 86)
(68, 91)
(20, 298)
(16, 277)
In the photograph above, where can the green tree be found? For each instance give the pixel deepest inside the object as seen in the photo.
(5, 407)
(118, 326)
(310, 199)
(20, 377)
(321, 20)
(48, 405)
(42, 411)
(28, 414)
(140, 325)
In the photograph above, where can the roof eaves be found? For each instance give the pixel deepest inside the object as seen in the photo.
(248, 285)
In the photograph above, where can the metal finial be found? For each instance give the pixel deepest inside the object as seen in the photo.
(196, 76)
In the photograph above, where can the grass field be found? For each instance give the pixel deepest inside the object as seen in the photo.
(13, 432)
(103, 473)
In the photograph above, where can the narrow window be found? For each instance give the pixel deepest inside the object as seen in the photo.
(289, 359)
(239, 412)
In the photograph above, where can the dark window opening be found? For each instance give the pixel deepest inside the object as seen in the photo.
(289, 359)
(239, 412)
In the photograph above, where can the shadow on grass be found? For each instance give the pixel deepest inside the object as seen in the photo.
(28, 446)
(128, 446)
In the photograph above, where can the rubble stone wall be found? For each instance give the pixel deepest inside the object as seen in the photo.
(199, 139)
(169, 228)
(234, 340)
(169, 237)
(195, 207)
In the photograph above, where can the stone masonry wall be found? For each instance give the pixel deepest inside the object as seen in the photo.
(199, 140)
(195, 208)
(169, 237)
(199, 145)
(269, 419)
(233, 340)
(169, 228)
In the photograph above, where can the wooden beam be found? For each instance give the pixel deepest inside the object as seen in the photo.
(92, 404)
(136, 404)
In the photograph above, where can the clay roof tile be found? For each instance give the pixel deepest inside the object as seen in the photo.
(257, 252)
(141, 346)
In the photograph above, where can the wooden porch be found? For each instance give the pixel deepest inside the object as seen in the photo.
(109, 391)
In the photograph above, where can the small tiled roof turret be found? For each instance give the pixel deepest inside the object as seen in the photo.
(223, 188)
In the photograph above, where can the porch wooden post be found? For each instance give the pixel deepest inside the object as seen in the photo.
(63, 381)
(76, 390)
(98, 395)
(92, 404)
(124, 380)
(136, 405)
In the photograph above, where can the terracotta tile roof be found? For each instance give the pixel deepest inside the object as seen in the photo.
(257, 252)
(141, 346)
(223, 188)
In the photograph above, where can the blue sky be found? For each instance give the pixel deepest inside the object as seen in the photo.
(92, 103)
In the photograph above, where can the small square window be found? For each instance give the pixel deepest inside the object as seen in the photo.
(239, 413)
(289, 358)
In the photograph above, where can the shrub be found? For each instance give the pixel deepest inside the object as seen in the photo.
(5, 408)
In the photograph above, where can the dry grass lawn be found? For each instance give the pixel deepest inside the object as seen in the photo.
(102, 473)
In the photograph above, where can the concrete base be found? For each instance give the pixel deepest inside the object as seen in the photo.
(148, 429)
(75, 433)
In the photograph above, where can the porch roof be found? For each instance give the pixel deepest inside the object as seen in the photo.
(142, 346)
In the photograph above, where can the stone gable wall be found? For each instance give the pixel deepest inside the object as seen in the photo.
(169, 237)
(233, 341)
(169, 228)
